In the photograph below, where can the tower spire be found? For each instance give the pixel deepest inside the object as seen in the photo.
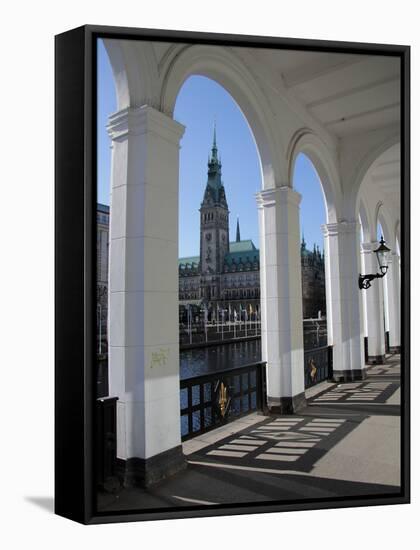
(238, 232)
(214, 148)
(214, 189)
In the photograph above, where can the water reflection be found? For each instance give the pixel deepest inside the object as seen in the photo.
(196, 362)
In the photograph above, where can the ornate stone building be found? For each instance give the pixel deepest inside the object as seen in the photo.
(102, 251)
(227, 273)
(313, 281)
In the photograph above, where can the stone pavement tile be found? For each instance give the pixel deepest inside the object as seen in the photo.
(318, 388)
(395, 398)
(370, 453)
(193, 445)
(363, 460)
(202, 485)
(217, 434)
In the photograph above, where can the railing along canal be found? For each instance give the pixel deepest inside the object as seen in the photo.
(318, 365)
(211, 400)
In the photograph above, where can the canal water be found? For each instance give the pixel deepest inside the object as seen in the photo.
(198, 361)
(207, 360)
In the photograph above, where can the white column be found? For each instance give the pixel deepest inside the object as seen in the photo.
(386, 303)
(281, 298)
(143, 296)
(374, 306)
(394, 305)
(344, 300)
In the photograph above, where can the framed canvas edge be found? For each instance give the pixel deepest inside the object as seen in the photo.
(75, 190)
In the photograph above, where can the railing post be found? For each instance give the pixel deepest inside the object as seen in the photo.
(102, 377)
(365, 343)
(106, 448)
(330, 362)
(262, 389)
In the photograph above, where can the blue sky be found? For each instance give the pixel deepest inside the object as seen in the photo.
(200, 102)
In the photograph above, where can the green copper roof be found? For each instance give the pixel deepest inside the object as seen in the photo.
(242, 246)
(242, 252)
(242, 257)
(190, 260)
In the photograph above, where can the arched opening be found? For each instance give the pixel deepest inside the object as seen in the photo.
(382, 233)
(374, 299)
(223, 67)
(313, 215)
(321, 167)
(374, 166)
(377, 203)
(106, 104)
(391, 282)
(365, 232)
(219, 257)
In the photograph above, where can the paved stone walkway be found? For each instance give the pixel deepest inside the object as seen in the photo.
(345, 443)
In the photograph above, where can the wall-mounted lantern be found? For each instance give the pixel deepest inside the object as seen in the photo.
(382, 255)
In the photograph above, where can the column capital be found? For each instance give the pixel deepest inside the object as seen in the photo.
(368, 247)
(134, 121)
(282, 194)
(394, 259)
(340, 228)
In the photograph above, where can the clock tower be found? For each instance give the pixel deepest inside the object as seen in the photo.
(214, 228)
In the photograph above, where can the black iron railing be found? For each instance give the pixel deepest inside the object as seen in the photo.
(211, 400)
(318, 365)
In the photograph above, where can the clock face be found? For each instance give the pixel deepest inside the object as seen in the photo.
(208, 236)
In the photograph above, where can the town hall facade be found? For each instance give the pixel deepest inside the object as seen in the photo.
(227, 273)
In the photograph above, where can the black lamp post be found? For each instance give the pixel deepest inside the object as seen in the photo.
(382, 255)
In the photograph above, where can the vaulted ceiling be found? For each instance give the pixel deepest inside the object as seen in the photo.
(346, 93)
(386, 174)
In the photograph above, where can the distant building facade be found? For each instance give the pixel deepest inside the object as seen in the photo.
(102, 257)
(313, 281)
(227, 273)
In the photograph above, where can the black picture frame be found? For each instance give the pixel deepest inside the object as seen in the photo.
(75, 277)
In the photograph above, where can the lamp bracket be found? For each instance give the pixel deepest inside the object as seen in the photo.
(365, 280)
